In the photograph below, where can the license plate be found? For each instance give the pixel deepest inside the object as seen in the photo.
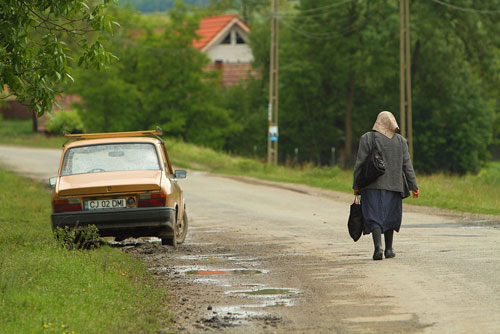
(102, 204)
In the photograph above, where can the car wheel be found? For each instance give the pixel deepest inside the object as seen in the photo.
(182, 228)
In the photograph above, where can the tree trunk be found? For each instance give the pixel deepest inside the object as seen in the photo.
(348, 116)
(35, 121)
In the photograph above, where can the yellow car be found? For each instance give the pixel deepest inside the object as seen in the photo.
(121, 182)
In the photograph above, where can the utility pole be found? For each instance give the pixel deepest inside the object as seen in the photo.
(272, 144)
(405, 73)
(402, 94)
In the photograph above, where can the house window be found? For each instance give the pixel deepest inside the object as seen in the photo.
(239, 40)
(227, 40)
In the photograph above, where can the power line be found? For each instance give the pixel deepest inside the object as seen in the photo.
(465, 9)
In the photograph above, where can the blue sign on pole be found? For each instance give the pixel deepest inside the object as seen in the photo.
(273, 133)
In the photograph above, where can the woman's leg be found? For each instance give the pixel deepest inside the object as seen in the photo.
(389, 236)
(377, 242)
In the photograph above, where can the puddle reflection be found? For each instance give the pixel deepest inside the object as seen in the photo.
(224, 272)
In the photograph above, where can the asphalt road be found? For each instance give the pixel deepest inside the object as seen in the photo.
(445, 278)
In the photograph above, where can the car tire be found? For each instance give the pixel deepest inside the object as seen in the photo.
(170, 240)
(182, 228)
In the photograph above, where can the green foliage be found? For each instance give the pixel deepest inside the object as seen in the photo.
(329, 50)
(65, 121)
(160, 81)
(247, 103)
(248, 10)
(34, 58)
(148, 6)
(84, 237)
(110, 103)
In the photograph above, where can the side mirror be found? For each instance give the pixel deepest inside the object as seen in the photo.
(180, 174)
(52, 182)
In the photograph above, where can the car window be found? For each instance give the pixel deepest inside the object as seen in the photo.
(110, 158)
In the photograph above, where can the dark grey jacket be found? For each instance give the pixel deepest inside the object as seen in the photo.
(397, 161)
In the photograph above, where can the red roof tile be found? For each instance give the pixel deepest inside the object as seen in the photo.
(210, 27)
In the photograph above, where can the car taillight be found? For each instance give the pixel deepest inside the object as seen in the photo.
(152, 199)
(67, 204)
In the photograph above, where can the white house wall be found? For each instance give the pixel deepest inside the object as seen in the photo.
(230, 53)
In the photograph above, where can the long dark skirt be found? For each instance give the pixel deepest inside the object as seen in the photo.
(381, 207)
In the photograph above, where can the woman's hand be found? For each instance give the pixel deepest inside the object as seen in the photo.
(356, 192)
(415, 193)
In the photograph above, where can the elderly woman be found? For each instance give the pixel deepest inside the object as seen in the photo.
(381, 201)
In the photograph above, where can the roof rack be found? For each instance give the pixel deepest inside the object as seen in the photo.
(149, 133)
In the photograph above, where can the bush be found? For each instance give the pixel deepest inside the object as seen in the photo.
(65, 121)
(86, 237)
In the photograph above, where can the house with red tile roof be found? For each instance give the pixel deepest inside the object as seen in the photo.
(224, 39)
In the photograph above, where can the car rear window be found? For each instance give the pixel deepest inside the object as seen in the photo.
(110, 158)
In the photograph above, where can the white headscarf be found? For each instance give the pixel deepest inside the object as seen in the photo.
(386, 124)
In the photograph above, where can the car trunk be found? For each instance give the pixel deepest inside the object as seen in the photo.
(109, 183)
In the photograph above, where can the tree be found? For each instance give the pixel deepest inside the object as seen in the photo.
(34, 59)
(109, 103)
(339, 66)
(247, 103)
(160, 81)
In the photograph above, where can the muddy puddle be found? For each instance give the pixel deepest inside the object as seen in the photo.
(221, 257)
(224, 272)
(244, 294)
(268, 292)
(268, 297)
(219, 287)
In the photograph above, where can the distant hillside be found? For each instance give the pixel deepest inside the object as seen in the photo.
(150, 6)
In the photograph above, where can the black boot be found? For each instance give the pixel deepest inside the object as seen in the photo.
(389, 252)
(377, 242)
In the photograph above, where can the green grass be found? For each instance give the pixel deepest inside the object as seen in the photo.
(469, 193)
(47, 289)
(20, 132)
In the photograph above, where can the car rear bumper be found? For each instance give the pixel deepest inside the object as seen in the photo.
(118, 221)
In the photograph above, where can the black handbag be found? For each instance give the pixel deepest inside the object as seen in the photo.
(355, 222)
(373, 167)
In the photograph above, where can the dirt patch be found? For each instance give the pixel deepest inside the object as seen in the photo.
(216, 287)
(229, 282)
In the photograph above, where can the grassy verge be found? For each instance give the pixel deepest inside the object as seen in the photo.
(47, 289)
(20, 132)
(470, 193)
